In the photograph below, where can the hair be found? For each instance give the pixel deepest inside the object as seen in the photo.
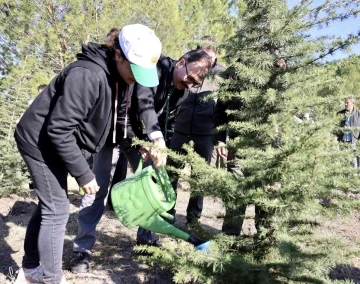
(350, 98)
(207, 42)
(41, 87)
(196, 56)
(112, 42)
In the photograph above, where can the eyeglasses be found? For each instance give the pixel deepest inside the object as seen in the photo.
(191, 80)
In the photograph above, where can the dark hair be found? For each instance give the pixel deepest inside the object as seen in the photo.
(210, 42)
(197, 55)
(41, 87)
(112, 41)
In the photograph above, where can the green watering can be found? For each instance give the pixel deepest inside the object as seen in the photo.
(144, 199)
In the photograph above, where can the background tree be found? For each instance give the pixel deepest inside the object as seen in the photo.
(349, 70)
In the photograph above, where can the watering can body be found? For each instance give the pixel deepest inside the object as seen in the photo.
(144, 199)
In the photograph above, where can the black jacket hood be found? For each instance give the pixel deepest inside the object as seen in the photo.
(96, 53)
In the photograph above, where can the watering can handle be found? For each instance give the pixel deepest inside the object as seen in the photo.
(140, 166)
(161, 169)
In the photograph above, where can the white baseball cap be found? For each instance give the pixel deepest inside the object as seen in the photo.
(142, 48)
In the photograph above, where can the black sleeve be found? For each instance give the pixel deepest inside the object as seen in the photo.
(145, 108)
(76, 99)
(221, 118)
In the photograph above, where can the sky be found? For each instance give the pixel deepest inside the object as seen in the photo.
(337, 29)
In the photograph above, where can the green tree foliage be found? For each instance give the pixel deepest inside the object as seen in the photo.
(349, 70)
(290, 166)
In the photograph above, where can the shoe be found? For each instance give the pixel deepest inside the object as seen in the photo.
(29, 276)
(81, 263)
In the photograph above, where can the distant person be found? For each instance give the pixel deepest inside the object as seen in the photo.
(73, 115)
(350, 118)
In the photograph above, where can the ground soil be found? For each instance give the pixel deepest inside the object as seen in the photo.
(113, 260)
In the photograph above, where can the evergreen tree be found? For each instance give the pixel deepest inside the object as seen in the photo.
(349, 70)
(289, 166)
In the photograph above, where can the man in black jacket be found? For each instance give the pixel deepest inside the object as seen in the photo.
(159, 105)
(138, 113)
(195, 122)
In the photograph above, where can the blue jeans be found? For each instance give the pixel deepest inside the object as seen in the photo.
(44, 239)
(93, 206)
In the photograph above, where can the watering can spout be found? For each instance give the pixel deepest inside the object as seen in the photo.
(144, 199)
(159, 225)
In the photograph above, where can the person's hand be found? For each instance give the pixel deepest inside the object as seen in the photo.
(144, 151)
(222, 151)
(91, 187)
(281, 63)
(158, 156)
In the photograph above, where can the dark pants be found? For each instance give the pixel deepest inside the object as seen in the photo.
(92, 206)
(44, 239)
(119, 175)
(235, 214)
(203, 145)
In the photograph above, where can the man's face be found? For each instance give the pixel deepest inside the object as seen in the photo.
(188, 75)
(349, 104)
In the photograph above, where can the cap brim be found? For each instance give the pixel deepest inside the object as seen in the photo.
(144, 76)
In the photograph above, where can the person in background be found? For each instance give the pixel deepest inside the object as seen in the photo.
(71, 116)
(350, 118)
(195, 122)
(145, 112)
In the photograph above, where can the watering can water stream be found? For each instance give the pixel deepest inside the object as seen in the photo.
(144, 199)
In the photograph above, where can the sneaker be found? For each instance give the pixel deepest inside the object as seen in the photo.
(29, 276)
(80, 263)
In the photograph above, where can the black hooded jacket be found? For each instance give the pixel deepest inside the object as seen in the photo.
(148, 106)
(72, 114)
